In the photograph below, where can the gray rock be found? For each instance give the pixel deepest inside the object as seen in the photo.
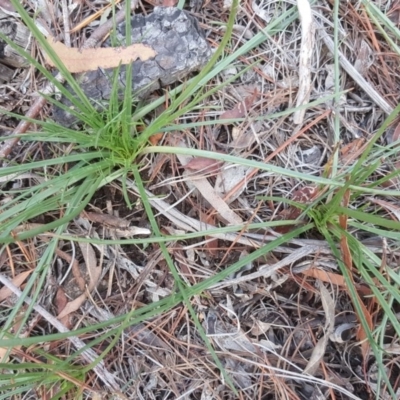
(180, 46)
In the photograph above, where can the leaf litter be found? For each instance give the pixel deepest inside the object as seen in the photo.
(283, 325)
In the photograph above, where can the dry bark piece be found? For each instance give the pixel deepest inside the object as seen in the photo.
(20, 35)
(180, 48)
(5, 73)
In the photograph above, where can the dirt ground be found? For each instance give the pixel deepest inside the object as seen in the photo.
(265, 321)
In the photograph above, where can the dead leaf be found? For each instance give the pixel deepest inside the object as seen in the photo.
(392, 208)
(211, 243)
(94, 273)
(396, 134)
(17, 281)
(352, 150)
(93, 270)
(229, 177)
(334, 279)
(208, 192)
(61, 302)
(241, 109)
(304, 195)
(76, 60)
(202, 164)
(319, 350)
(106, 219)
(156, 138)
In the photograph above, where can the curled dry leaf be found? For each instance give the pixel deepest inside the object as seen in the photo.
(343, 333)
(77, 61)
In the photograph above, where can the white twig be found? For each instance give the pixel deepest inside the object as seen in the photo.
(306, 50)
(67, 36)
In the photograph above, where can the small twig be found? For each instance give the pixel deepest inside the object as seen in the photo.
(306, 51)
(101, 31)
(67, 36)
